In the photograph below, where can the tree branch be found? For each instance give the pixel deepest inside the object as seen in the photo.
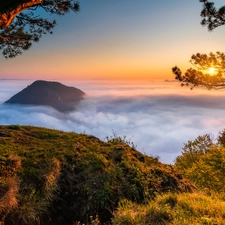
(7, 17)
(18, 29)
(201, 77)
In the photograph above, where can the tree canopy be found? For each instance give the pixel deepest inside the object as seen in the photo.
(202, 161)
(212, 17)
(209, 70)
(21, 25)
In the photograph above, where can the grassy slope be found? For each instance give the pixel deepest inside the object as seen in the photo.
(60, 177)
(175, 209)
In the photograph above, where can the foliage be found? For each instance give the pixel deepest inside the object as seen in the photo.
(9, 184)
(176, 209)
(24, 25)
(120, 139)
(68, 177)
(93, 220)
(221, 138)
(212, 17)
(200, 76)
(203, 162)
(192, 152)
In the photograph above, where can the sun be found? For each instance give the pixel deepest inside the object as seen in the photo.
(212, 70)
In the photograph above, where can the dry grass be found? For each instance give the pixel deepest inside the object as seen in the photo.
(174, 209)
(52, 176)
(8, 198)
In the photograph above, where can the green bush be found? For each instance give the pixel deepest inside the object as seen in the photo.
(203, 162)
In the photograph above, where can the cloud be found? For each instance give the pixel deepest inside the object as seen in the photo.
(158, 118)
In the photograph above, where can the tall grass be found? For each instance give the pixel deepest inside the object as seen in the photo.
(66, 177)
(175, 209)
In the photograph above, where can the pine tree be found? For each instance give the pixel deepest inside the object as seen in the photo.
(209, 70)
(20, 24)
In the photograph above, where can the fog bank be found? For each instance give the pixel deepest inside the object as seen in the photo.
(158, 117)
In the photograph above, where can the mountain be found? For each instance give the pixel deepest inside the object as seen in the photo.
(48, 93)
(57, 178)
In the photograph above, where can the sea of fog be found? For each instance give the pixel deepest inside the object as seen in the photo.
(159, 117)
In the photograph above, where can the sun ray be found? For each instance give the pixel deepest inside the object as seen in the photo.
(212, 70)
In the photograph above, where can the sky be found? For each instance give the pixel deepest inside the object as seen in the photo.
(119, 39)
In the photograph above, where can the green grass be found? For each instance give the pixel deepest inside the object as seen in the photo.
(66, 177)
(174, 209)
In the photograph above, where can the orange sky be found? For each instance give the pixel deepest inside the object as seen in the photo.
(141, 41)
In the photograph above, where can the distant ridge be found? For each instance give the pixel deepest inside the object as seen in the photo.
(48, 93)
(170, 80)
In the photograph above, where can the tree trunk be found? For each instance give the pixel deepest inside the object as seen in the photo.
(11, 11)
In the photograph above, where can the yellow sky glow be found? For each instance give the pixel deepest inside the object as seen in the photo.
(212, 70)
(134, 44)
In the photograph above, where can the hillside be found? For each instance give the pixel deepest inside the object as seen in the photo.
(48, 93)
(55, 177)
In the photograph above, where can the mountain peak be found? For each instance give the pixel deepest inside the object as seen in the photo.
(49, 93)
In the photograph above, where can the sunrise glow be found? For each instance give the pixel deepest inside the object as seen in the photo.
(132, 44)
(212, 70)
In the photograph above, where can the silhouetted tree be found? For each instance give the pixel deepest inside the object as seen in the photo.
(221, 138)
(212, 17)
(21, 25)
(201, 75)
